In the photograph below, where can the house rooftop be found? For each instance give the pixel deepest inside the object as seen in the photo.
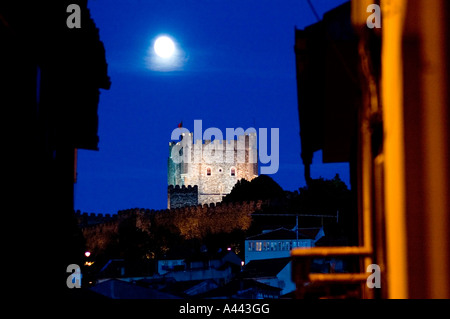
(117, 289)
(283, 233)
(238, 288)
(190, 256)
(265, 267)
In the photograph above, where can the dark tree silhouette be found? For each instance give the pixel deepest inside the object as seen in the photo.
(324, 196)
(261, 188)
(328, 197)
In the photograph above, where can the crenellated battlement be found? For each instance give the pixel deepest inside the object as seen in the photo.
(183, 188)
(88, 219)
(179, 196)
(247, 136)
(222, 205)
(97, 220)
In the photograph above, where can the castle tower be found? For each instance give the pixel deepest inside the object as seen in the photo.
(214, 167)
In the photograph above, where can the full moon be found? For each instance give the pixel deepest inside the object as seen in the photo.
(164, 47)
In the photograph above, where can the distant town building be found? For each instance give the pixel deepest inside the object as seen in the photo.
(221, 267)
(212, 171)
(279, 242)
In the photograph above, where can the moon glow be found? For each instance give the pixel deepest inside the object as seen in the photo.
(164, 47)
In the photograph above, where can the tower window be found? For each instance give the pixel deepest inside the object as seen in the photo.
(208, 171)
(233, 171)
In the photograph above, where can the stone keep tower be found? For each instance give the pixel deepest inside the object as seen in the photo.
(210, 168)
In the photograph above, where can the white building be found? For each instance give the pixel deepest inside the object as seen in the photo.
(278, 243)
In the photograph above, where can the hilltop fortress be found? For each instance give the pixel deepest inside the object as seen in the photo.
(204, 172)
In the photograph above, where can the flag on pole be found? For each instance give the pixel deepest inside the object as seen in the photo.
(180, 125)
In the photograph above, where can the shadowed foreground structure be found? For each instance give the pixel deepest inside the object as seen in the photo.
(395, 135)
(52, 76)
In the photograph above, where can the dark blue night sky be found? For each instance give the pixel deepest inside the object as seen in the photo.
(237, 69)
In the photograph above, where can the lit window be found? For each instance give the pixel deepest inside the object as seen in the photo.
(258, 246)
(301, 244)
